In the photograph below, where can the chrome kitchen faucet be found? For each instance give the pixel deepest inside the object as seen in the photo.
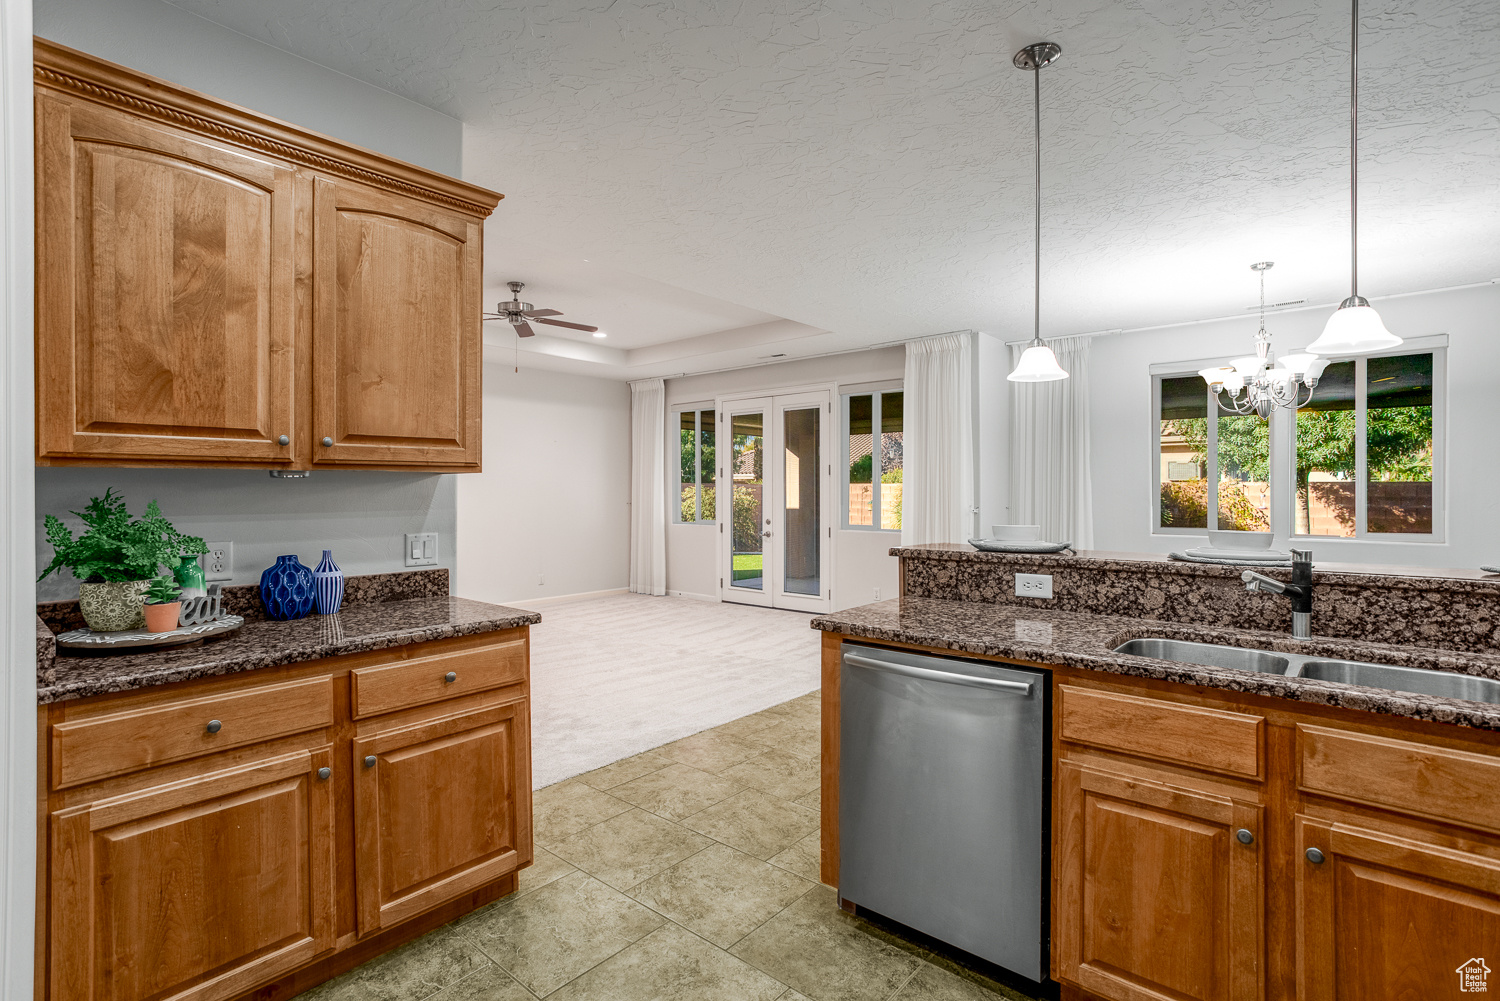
(1300, 590)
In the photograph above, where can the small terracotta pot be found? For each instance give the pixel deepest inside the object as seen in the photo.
(162, 618)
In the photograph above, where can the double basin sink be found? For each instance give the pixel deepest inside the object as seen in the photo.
(1445, 684)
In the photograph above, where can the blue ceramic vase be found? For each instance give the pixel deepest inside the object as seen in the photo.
(286, 589)
(330, 584)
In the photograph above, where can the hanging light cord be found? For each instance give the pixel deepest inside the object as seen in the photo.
(1354, 154)
(1036, 305)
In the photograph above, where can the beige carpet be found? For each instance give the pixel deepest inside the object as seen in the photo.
(617, 675)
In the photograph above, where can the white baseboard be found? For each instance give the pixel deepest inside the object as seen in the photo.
(553, 599)
(694, 595)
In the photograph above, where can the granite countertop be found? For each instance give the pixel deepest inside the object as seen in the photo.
(1085, 640)
(354, 629)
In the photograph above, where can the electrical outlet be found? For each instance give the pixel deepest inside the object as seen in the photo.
(877, 594)
(1033, 585)
(421, 549)
(541, 580)
(218, 562)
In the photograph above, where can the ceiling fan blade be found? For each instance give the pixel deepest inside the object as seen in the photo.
(524, 329)
(571, 326)
(543, 312)
(492, 316)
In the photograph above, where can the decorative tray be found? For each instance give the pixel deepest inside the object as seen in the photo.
(996, 546)
(139, 639)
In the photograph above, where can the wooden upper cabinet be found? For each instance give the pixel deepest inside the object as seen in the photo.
(211, 282)
(165, 309)
(397, 350)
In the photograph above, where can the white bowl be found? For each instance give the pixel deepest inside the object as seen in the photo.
(1018, 533)
(1240, 540)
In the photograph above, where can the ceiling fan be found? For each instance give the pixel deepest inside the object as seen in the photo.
(516, 313)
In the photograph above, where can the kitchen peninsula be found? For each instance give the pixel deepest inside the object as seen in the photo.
(262, 811)
(1218, 832)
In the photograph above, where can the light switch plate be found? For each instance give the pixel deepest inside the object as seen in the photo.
(421, 549)
(1033, 585)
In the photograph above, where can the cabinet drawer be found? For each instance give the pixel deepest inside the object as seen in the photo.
(1213, 740)
(1403, 775)
(390, 687)
(90, 749)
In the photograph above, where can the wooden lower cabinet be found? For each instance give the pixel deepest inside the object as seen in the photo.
(204, 871)
(1157, 898)
(436, 812)
(1387, 917)
(195, 889)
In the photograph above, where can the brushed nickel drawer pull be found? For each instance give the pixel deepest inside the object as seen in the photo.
(214, 726)
(451, 677)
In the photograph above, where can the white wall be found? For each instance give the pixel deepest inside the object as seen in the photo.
(169, 42)
(1123, 461)
(553, 501)
(17, 614)
(361, 515)
(861, 558)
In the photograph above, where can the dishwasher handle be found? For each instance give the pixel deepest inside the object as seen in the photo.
(927, 674)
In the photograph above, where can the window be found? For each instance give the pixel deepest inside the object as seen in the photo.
(873, 442)
(1360, 460)
(695, 477)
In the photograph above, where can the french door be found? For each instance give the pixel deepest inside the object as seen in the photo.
(776, 531)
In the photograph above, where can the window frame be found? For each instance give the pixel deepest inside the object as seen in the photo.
(674, 469)
(875, 390)
(1283, 458)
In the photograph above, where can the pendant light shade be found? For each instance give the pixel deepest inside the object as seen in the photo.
(1038, 363)
(1354, 328)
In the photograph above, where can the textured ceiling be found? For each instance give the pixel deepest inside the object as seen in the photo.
(865, 168)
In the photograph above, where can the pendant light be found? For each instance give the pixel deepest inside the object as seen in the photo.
(1355, 327)
(1038, 363)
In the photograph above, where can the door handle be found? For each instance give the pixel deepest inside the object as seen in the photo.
(765, 535)
(927, 674)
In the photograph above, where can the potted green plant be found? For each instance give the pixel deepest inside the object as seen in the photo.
(163, 604)
(114, 558)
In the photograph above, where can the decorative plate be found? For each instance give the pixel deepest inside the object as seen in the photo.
(997, 546)
(140, 639)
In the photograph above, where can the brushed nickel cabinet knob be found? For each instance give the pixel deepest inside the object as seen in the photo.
(369, 761)
(283, 440)
(214, 726)
(1244, 837)
(450, 677)
(1315, 856)
(324, 772)
(327, 441)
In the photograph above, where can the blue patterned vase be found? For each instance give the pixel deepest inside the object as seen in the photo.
(330, 584)
(286, 589)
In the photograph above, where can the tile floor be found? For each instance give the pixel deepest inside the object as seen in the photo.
(688, 872)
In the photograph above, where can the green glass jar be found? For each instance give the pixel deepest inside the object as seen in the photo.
(189, 577)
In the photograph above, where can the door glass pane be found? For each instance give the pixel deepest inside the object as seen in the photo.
(1398, 444)
(1244, 471)
(707, 463)
(861, 458)
(1184, 453)
(686, 485)
(891, 457)
(1325, 456)
(747, 433)
(801, 551)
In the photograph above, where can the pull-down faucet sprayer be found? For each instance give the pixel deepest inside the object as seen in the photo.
(1300, 590)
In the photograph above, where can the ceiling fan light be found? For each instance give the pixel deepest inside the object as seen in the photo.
(1354, 328)
(1037, 364)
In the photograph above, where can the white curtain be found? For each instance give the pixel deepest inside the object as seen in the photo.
(938, 495)
(648, 487)
(1049, 448)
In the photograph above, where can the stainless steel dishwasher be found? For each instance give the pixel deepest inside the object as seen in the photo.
(942, 793)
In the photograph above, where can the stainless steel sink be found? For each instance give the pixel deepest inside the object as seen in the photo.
(1403, 679)
(1207, 654)
(1422, 681)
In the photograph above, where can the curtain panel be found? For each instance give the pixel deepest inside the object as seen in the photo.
(648, 487)
(1049, 477)
(938, 495)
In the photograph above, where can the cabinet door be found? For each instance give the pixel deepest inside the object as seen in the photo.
(1155, 897)
(441, 807)
(1384, 918)
(165, 303)
(194, 890)
(397, 348)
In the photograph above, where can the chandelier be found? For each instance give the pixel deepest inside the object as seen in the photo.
(1259, 383)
